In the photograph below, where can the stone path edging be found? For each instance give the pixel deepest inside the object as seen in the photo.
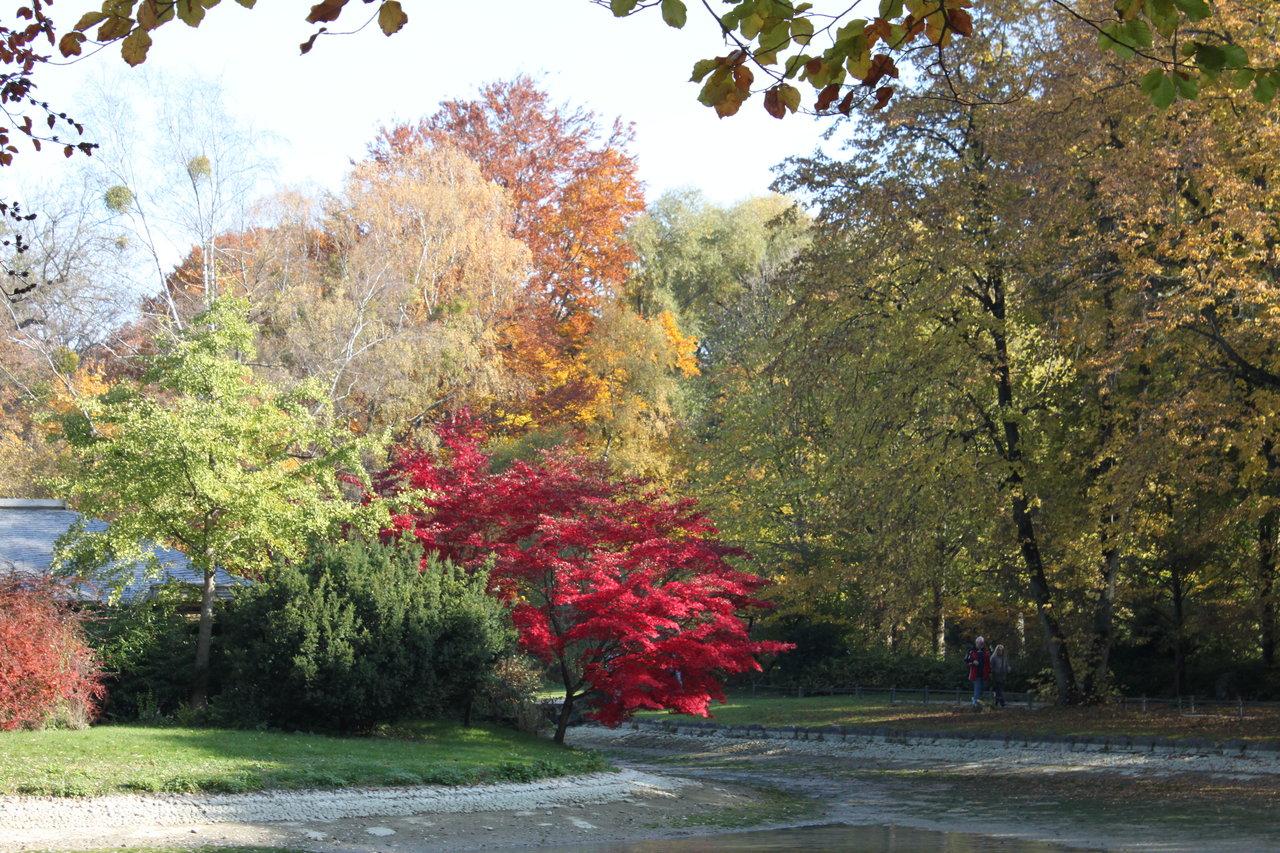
(1086, 743)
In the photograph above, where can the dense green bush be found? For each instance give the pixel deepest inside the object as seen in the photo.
(146, 647)
(358, 636)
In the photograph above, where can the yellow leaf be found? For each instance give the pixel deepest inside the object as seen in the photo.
(134, 48)
(391, 18)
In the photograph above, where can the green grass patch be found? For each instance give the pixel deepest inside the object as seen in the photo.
(129, 758)
(776, 711)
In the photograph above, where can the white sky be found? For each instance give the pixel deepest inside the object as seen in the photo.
(326, 106)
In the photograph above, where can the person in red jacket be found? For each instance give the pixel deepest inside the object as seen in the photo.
(979, 662)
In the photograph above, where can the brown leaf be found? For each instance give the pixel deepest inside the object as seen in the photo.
(883, 94)
(881, 65)
(827, 96)
(324, 11)
(743, 78)
(960, 21)
(773, 104)
(69, 44)
(846, 103)
(880, 29)
(729, 104)
(311, 42)
(148, 15)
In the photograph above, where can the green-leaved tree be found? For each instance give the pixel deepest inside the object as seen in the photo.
(202, 456)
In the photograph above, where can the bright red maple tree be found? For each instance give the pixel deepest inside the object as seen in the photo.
(624, 591)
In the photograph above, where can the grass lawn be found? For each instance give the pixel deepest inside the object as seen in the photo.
(1257, 726)
(130, 758)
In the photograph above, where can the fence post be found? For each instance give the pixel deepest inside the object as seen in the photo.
(926, 695)
(799, 692)
(1193, 703)
(957, 695)
(1031, 701)
(1144, 704)
(857, 690)
(892, 695)
(1241, 701)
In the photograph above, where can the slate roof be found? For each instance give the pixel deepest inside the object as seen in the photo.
(29, 529)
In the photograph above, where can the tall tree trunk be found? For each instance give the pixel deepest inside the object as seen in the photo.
(1267, 584)
(1178, 594)
(1055, 642)
(204, 640)
(938, 620)
(1103, 622)
(1103, 625)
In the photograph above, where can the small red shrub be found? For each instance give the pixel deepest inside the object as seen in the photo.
(46, 665)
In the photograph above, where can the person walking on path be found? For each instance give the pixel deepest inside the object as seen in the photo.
(979, 662)
(999, 672)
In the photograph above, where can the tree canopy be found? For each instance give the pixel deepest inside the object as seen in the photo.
(842, 58)
(200, 456)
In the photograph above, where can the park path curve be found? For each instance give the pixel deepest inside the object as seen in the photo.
(25, 821)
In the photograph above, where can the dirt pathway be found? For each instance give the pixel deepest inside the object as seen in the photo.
(556, 814)
(682, 786)
(1089, 800)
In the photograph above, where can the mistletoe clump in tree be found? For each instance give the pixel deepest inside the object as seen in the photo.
(624, 591)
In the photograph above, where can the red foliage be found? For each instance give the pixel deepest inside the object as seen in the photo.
(626, 591)
(45, 662)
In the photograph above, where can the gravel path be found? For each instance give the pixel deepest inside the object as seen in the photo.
(996, 756)
(26, 821)
(714, 771)
(1160, 801)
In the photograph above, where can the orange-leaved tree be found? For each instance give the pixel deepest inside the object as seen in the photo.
(573, 189)
(573, 186)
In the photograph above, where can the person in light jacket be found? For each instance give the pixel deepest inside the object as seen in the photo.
(999, 672)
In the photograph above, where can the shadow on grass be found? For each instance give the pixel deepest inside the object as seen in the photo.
(149, 759)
